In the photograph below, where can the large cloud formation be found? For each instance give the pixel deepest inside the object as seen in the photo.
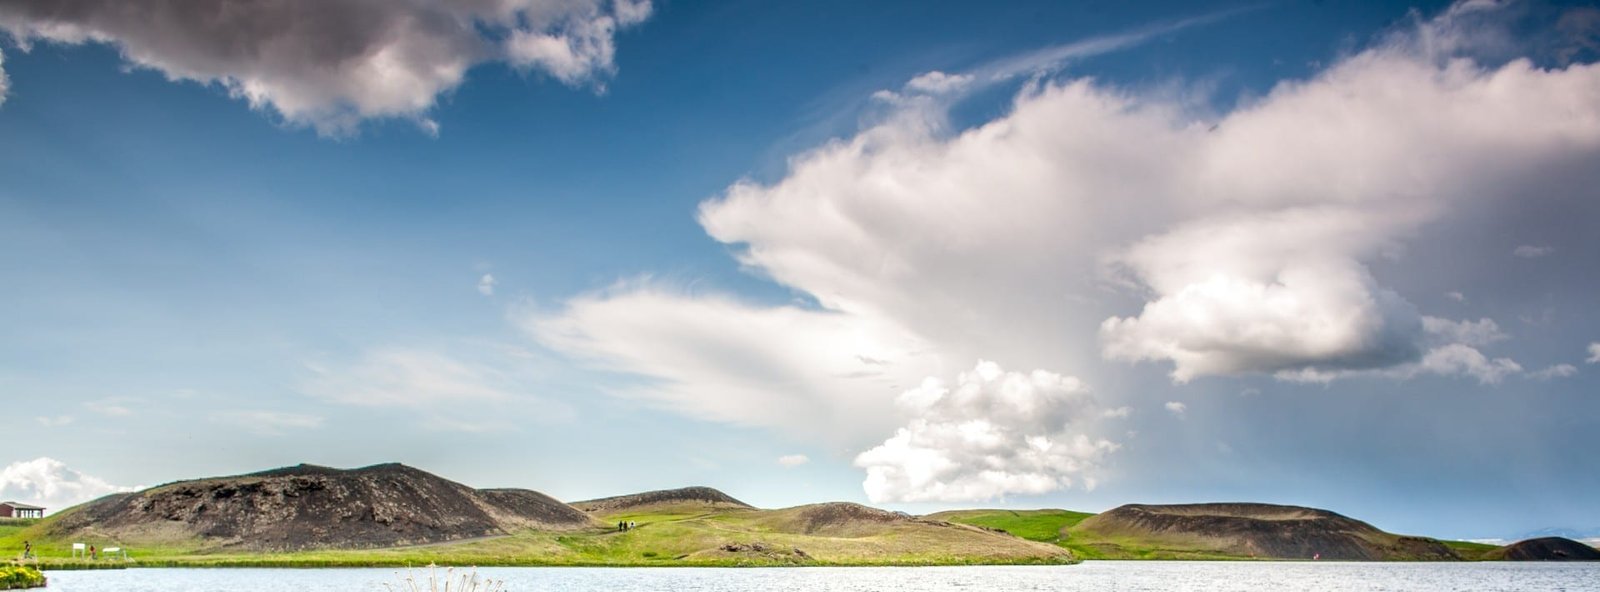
(51, 483)
(1092, 221)
(990, 434)
(332, 63)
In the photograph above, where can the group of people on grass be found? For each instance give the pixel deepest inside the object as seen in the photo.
(626, 525)
(92, 553)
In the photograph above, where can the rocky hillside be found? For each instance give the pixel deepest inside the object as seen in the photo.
(312, 507)
(705, 497)
(1545, 549)
(1248, 530)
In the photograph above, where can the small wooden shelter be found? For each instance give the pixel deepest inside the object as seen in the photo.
(20, 510)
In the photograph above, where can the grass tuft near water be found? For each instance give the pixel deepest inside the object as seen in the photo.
(17, 577)
(467, 581)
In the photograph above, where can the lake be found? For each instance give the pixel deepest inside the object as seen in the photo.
(1093, 575)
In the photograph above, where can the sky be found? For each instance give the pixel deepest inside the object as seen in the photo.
(922, 255)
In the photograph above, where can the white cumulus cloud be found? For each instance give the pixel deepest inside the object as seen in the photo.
(332, 63)
(1473, 333)
(52, 484)
(486, 284)
(937, 82)
(991, 434)
(1461, 359)
(793, 460)
(1177, 408)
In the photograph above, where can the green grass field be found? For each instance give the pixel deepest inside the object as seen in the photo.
(1471, 551)
(1046, 526)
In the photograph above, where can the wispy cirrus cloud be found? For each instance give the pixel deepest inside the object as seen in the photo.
(112, 406)
(268, 423)
(406, 378)
(1533, 251)
(469, 391)
(1554, 372)
(56, 421)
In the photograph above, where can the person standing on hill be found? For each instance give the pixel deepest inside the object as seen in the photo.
(27, 550)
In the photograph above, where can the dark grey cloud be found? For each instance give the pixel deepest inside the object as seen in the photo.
(332, 63)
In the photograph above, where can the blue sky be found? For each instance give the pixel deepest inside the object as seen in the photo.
(951, 254)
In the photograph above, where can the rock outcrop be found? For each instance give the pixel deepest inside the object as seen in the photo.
(693, 496)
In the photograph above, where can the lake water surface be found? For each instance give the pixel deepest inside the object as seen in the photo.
(1093, 575)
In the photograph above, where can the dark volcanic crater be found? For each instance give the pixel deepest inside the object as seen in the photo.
(1546, 549)
(1266, 531)
(307, 507)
